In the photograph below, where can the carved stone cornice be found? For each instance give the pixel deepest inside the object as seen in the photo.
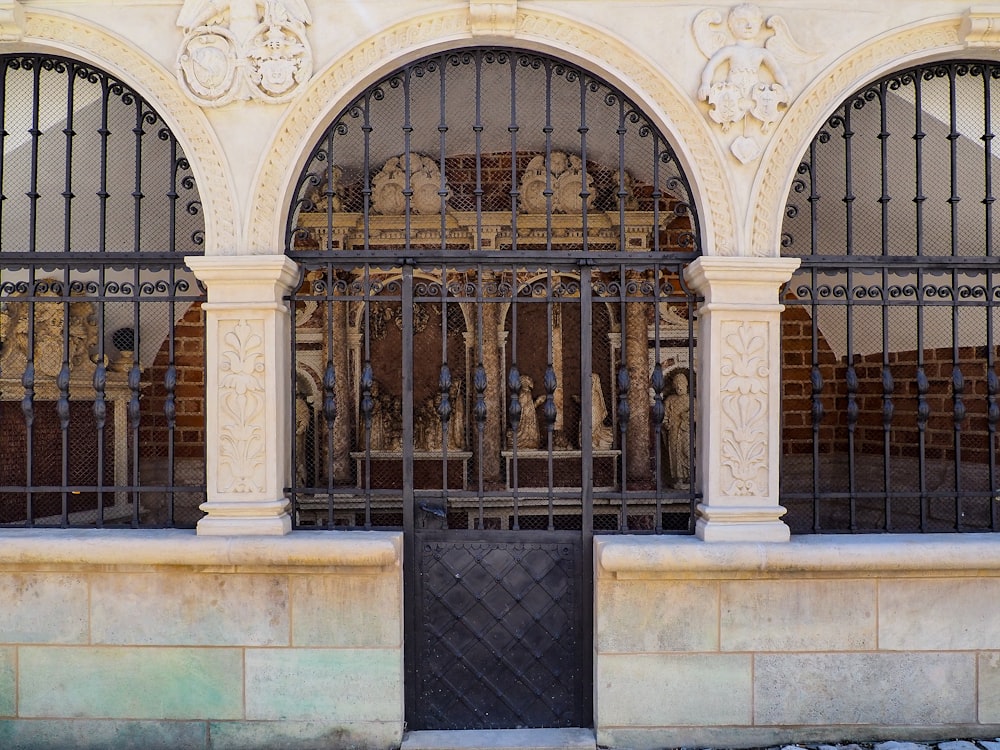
(806, 116)
(187, 121)
(692, 136)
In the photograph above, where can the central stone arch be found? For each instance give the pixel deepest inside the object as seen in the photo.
(674, 112)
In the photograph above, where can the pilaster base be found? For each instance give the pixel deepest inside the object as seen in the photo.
(741, 524)
(260, 517)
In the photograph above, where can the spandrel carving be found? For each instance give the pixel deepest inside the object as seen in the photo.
(243, 49)
(745, 80)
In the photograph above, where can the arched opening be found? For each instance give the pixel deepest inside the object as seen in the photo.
(890, 381)
(493, 243)
(102, 365)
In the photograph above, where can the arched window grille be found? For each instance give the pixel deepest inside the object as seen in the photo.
(890, 350)
(101, 366)
(493, 305)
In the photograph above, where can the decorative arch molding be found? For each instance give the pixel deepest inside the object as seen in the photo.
(333, 88)
(897, 49)
(77, 38)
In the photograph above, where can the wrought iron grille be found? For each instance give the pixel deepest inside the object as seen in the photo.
(890, 378)
(492, 311)
(101, 336)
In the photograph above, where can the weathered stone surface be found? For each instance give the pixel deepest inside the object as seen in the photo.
(957, 745)
(797, 615)
(965, 614)
(893, 745)
(362, 611)
(102, 734)
(30, 599)
(989, 690)
(190, 609)
(670, 689)
(8, 682)
(645, 616)
(340, 685)
(130, 683)
(304, 735)
(877, 688)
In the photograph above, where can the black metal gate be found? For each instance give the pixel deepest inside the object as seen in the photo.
(493, 350)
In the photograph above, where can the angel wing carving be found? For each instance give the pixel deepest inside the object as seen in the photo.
(710, 40)
(784, 47)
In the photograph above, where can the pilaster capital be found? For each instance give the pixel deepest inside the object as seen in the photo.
(750, 281)
(243, 279)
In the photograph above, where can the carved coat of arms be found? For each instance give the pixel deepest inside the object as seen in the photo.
(744, 80)
(242, 49)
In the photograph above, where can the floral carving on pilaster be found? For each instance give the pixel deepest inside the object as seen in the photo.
(806, 116)
(744, 399)
(241, 406)
(186, 120)
(312, 110)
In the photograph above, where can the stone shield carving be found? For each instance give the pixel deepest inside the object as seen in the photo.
(230, 51)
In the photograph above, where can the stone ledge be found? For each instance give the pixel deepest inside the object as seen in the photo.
(370, 549)
(869, 554)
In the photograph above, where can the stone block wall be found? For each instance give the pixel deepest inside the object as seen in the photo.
(821, 639)
(168, 640)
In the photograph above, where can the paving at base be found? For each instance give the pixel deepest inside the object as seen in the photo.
(583, 739)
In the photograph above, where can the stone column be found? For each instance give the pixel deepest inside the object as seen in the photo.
(739, 397)
(637, 363)
(248, 386)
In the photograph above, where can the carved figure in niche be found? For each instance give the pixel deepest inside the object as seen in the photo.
(528, 437)
(390, 182)
(427, 428)
(565, 177)
(49, 324)
(602, 434)
(677, 432)
(755, 83)
(386, 420)
(231, 50)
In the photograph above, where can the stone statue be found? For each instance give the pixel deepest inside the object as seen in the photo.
(676, 433)
(528, 437)
(602, 434)
(303, 418)
(386, 420)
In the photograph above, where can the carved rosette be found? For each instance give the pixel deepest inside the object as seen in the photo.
(744, 401)
(241, 412)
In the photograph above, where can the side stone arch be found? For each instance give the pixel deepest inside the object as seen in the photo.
(896, 50)
(663, 101)
(75, 38)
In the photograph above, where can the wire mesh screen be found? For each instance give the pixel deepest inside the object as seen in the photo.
(101, 333)
(890, 381)
(493, 310)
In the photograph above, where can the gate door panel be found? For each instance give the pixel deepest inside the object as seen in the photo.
(492, 350)
(502, 642)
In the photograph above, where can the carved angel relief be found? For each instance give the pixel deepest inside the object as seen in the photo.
(243, 49)
(744, 80)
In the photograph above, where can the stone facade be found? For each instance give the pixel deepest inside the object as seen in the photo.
(247, 635)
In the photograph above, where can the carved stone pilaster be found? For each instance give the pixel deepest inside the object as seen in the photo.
(739, 397)
(248, 377)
